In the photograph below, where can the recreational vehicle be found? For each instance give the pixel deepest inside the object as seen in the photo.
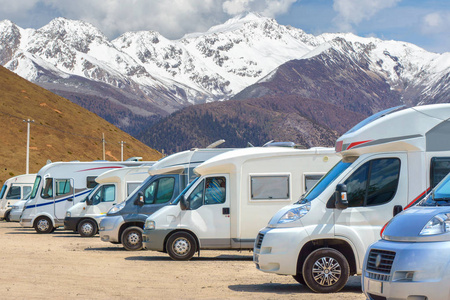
(389, 162)
(59, 186)
(234, 197)
(14, 189)
(113, 187)
(169, 176)
(17, 209)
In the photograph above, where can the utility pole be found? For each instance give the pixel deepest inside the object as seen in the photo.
(28, 144)
(103, 145)
(121, 149)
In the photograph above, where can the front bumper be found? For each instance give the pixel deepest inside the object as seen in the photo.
(418, 271)
(276, 249)
(109, 228)
(154, 239)
(71, 223)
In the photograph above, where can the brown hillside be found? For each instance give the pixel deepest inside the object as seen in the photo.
(62, 131)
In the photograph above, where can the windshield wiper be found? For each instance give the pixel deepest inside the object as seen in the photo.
(447, 199)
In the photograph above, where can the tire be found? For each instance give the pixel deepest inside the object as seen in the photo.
(7, 218)
(43, 225)
(132, 238)
(299, 278)
(181, 246)
(325, 270)
(87, 228)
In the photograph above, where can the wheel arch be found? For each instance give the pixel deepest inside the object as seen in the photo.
(338, 244)
(197, 241)
(126, 225)
(44, 214)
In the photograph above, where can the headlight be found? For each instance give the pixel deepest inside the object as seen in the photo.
(295, 213)
(439, 224)
(116, 208)
(68, 214)
(149, 224)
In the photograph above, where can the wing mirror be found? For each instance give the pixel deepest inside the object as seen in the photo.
(140, 199)
(89, 201)
(184, 203)
(340, 196)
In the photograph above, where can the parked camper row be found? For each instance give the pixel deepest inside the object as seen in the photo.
(308, 213)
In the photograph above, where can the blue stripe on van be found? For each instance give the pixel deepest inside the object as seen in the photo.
(57, 201)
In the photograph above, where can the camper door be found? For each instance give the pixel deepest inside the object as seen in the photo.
(61, 193)
(208, 215)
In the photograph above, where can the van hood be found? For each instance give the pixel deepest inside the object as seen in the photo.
(408, 225)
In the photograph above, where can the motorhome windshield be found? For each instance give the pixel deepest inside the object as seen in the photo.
(35, 187)
(2, 192)
(91, 192)
(177, 199)
(324, 182)
(440, 196)
(375, 117)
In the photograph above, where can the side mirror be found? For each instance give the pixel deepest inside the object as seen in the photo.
(140, 199)
(397, 209)
(184, 203)
(340, 196)
(88, 201)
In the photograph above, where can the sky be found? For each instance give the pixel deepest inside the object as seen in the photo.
(425, 23)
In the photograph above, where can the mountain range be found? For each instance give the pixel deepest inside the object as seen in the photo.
(139, 78)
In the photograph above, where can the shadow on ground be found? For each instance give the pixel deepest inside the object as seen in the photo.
(195, 258)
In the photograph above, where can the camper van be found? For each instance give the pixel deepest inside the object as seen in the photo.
(169, 176)
(113, 187)
(59, 186)
(389, 162)
(234, 197)
(14, 189)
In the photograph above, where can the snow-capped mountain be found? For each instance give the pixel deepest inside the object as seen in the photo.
(145, 76)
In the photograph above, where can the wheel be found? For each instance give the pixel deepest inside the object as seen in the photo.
(299, 279)
(181, 246)
(132, 238)
(7, 217)
(325, 270)
(43, 225)
(87, 228)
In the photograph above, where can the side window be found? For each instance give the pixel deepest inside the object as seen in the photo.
(13, 192)
(47, 190)
(2, 192)
(196, 197)
(90, 182)
(374, 183)
(311, 180)
(149, 193)
(26, 190)
(165, 190)
(269, 187)
(109, 193)
(63, 187)
(440, 167)
(215, 190)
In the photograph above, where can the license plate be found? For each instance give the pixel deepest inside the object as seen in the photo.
(375, 286)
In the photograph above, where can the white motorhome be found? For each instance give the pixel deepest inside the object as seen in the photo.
(389, 161)
(60, 185)
(113, 187)
(14, 189)
(234, 197)
(169, 176)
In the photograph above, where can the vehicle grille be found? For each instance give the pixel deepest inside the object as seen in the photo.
(380, 261)
(259, 240)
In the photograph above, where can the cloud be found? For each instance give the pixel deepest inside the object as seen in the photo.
(352, 12)
(436, 23)
(172, 18)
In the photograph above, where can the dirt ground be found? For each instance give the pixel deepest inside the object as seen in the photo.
(63, 265)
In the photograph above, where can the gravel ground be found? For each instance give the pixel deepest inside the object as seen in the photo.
(63, 265)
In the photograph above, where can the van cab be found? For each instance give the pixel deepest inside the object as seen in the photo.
(13, 190)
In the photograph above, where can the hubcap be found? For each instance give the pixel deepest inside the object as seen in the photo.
(133, 238)
(87, 228)
(326, 271)
(43, 225)
(181, 246)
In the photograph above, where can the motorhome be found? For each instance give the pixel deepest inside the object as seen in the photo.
(389, 162)
(168, 177)
(59, 186)
(113, 187)
(17, 209)
(234, 197)
(14, 189)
